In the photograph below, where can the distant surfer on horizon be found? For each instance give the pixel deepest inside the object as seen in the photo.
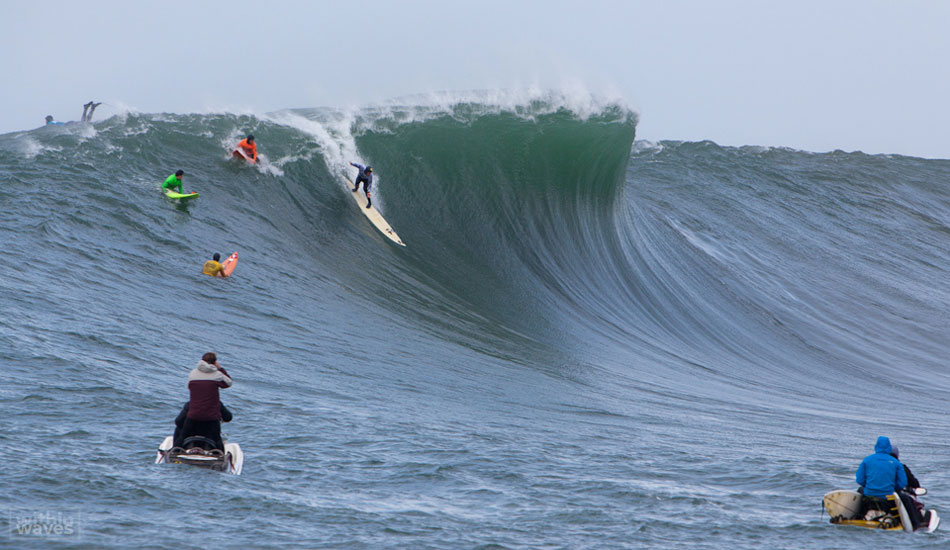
(91, 107)
(87, 111)
(213, 267)
(249, 148)
(174, 180)
(366, 177)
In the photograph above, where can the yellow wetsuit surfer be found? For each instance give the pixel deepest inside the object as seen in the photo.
(214, 267)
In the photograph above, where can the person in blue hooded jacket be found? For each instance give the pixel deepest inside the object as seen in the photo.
(880, 474)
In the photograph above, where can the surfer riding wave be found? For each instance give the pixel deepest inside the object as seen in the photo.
(365, 177)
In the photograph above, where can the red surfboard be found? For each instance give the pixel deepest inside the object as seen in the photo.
(238, 153)
(229, 265)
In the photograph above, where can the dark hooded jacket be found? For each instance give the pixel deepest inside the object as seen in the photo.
(912, 482)
(880, 473)
(203, 383)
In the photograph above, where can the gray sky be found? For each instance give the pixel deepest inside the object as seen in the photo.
(815, 75)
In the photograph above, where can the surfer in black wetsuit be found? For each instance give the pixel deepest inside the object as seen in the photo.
(366, 178)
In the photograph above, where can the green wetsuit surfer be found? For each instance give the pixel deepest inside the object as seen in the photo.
(174, 180)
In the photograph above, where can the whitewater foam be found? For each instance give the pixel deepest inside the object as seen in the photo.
(465, 106)
(30, 148)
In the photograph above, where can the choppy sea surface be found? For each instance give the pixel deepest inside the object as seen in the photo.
(588, 342)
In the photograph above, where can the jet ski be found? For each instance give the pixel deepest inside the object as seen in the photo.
(845, 508)
(200, 451)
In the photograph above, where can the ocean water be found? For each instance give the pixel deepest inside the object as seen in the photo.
(588, 342)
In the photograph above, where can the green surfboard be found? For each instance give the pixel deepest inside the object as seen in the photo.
(173, 195)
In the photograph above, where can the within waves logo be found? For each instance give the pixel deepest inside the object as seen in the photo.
(44, 524)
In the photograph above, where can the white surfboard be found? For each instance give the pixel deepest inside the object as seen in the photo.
(373, 215)
(905, 517)
(845, 505)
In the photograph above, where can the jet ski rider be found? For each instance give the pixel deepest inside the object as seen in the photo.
(908, 494)
(204, 406)
(881, 474)
(226, 416)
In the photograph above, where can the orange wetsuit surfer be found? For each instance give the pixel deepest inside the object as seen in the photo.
(249, 148)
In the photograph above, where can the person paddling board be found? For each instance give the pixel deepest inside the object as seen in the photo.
(249, 148)
(213, 267)
(87, 111)
(173, 181)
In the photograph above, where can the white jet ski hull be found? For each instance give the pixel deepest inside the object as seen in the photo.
(231, 461)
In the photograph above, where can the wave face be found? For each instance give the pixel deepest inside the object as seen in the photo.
(588, 341)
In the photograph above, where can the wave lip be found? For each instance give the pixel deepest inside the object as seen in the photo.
(467, 106)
